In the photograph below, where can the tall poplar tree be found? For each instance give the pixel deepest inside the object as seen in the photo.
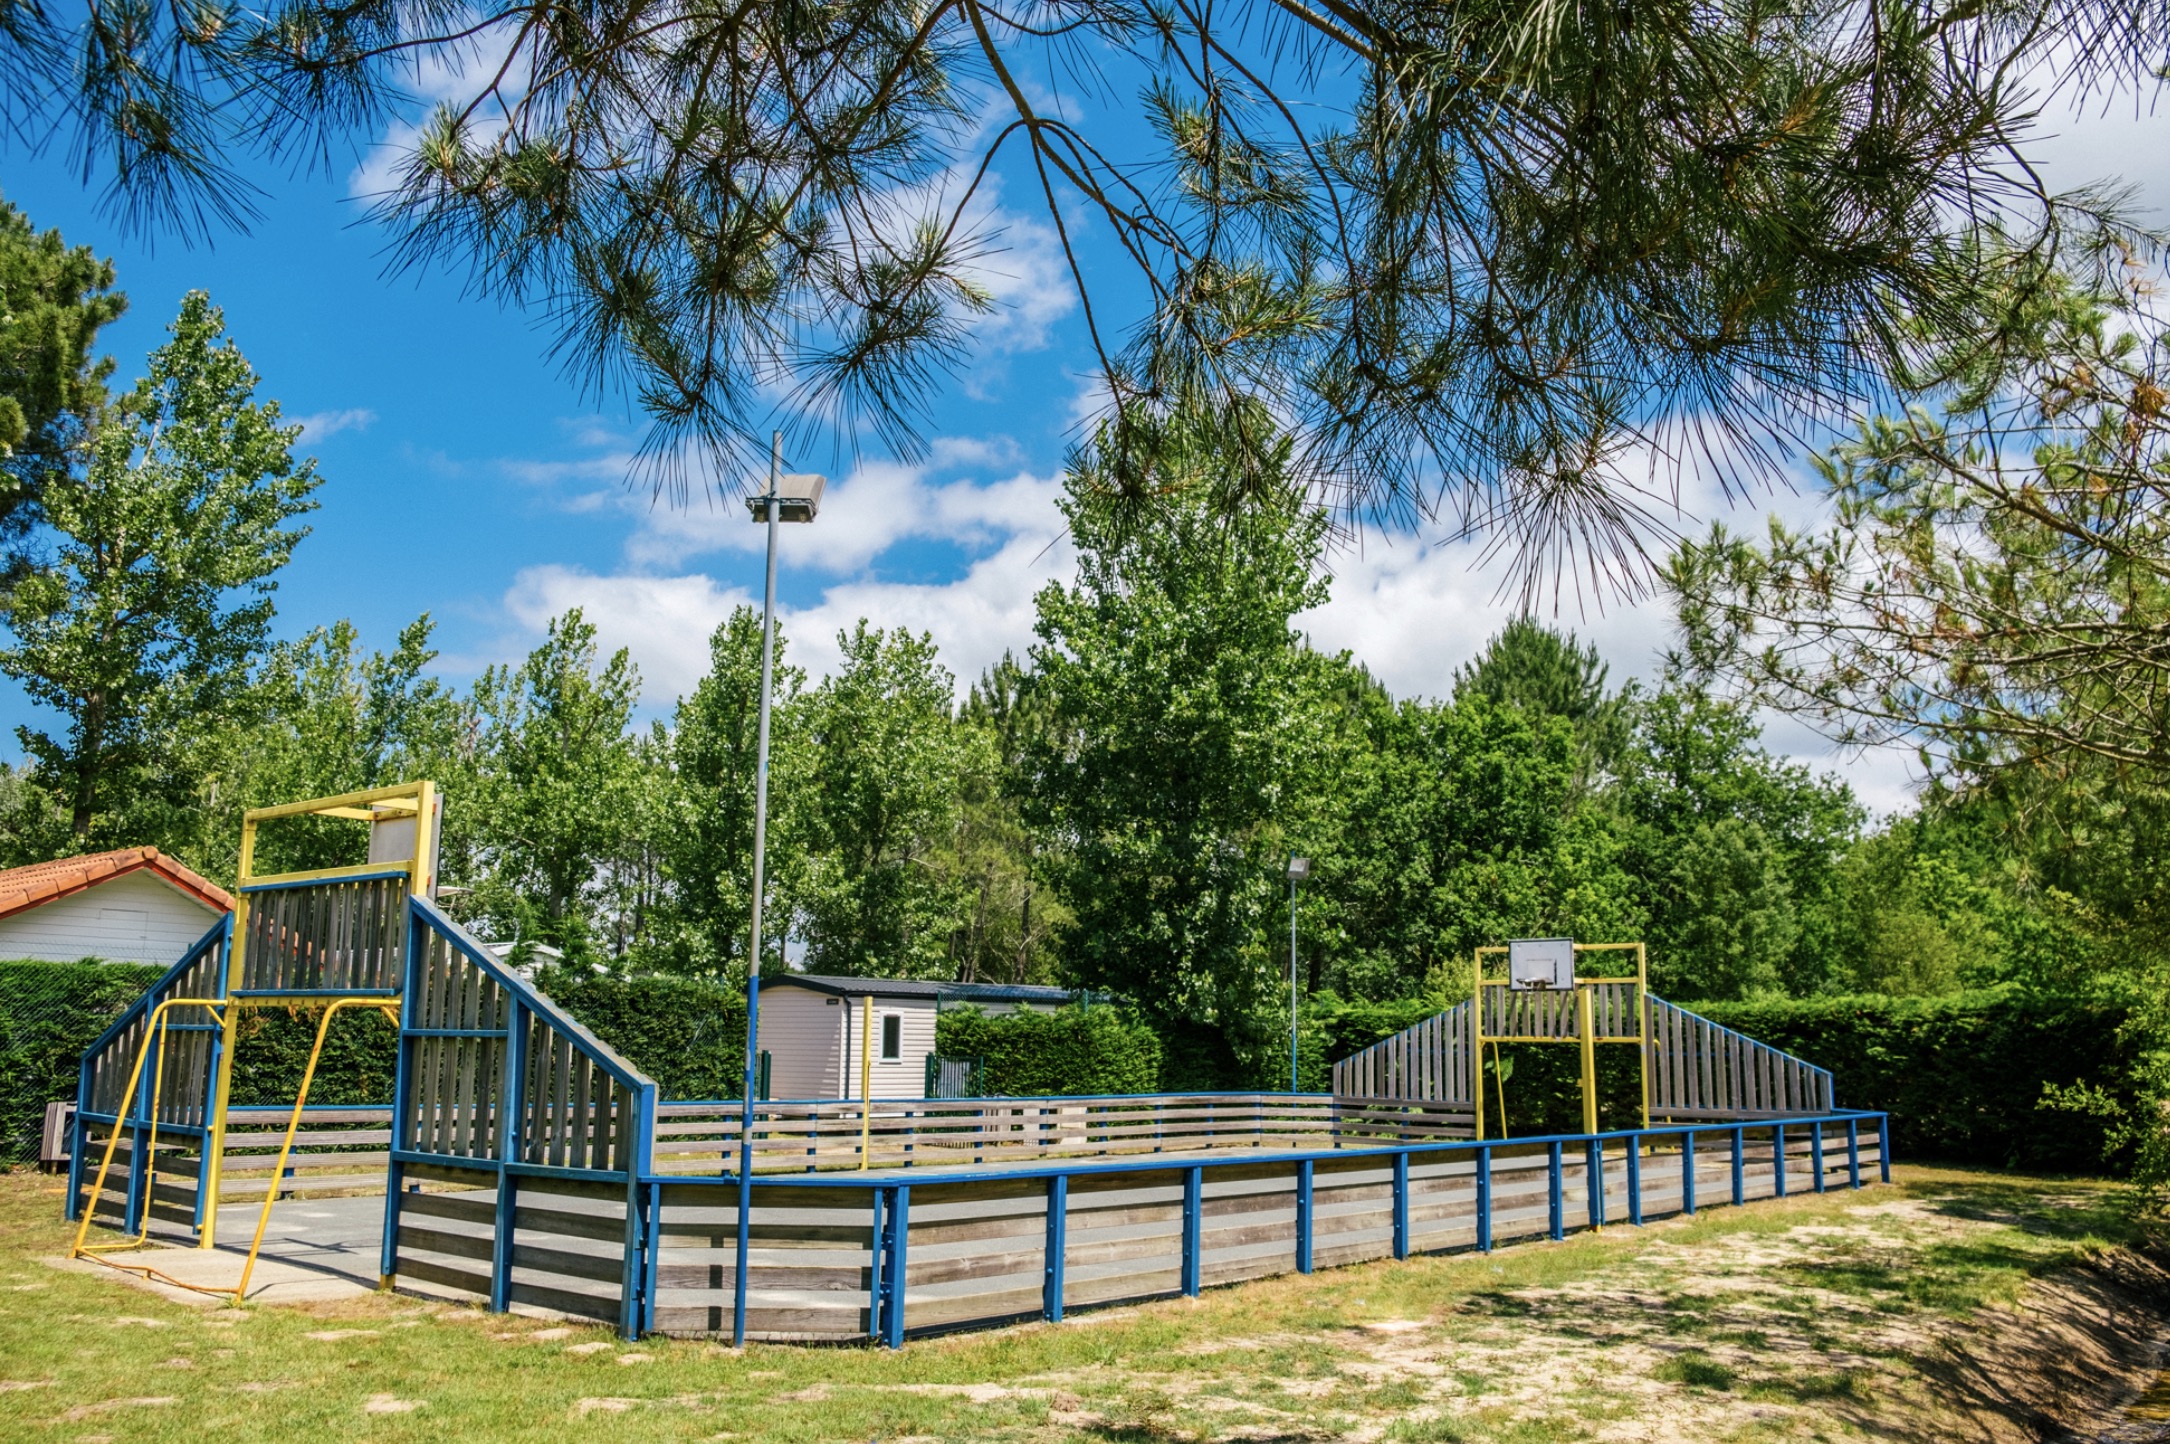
(144, 623)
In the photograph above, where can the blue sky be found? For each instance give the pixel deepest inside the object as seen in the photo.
(466, 477)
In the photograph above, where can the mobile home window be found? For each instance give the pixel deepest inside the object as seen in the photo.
(892, 1037)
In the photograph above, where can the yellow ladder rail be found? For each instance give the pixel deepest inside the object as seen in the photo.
(293, 1124)
(154, 1034)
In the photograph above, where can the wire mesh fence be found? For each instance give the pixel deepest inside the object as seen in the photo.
(49, 1014)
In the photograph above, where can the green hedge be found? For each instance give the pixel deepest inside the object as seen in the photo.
(50, 1013)
(688, 1034)
(1963, 1077)
(1074, 1050)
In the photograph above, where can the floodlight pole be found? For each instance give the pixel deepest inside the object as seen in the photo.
(773, 509)
(1292, 984)
(1297, 869)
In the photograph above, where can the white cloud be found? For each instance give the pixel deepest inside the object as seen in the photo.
(1411, 610)
(664, 615)
(862, 516)
(318, 425)
(663, 621)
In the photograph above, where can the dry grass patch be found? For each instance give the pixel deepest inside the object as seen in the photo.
(1919, 1311)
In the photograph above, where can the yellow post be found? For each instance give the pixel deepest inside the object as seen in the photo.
(214, 1145)
(1642, 1022)
(1476, 1037)
(1588, 1030)
(866, 1078)
(293, 1122)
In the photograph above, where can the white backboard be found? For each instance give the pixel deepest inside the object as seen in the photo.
(391, 839)
(1541, 963)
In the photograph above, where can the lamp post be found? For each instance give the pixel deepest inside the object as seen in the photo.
(796, 499)
(1299, 868)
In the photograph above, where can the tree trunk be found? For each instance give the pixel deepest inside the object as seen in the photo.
(87, 765)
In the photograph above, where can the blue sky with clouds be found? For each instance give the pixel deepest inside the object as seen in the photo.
(467, 477)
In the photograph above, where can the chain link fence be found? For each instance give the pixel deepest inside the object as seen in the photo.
(49, 1014)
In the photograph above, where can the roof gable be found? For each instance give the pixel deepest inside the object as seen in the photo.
(23, 888)
(841, 987)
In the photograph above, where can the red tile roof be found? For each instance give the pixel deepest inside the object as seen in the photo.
(42, 882)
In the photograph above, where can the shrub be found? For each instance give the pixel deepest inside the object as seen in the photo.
(689, 1034)
(50, 1013)
(1964, 1077)
(1078, 1049)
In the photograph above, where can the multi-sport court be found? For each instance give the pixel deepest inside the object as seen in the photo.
(524, 1164)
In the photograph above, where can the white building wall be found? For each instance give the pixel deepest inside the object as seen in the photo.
(813, 1044)
(133, 918)
(901, 1077)
(803, 1033)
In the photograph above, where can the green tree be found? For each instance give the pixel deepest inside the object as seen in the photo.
(714, 746)
(1014, 927)
(157, 601)
(1186, 714)
(53, 300)
(561, 793)
(1527, 664)
(325, 717)
(1488, 242)
(1993, 585)
(1459, 825)
(886, 760)
(1734, 850)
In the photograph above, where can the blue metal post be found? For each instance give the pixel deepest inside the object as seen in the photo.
(1635, 1180)
(511, 1117)
(1303, 1216)
(900, 1227)
(1484, 1198)
(216, 1054)
(1557, 1198)
(1193, 1228)
(1593, 1169)
(900, 1241)
(139, 1162)
(639, 1247)
(78, 1138)
(1853, 1152)
(1401, 1205)
(1883, 1145)
(1687, 1173)
(653, 1233)
(395, 1176)
(1778, 1160)
(1815, 1153)
(1058, 1210)
(876, 1243)
(1740, 1180)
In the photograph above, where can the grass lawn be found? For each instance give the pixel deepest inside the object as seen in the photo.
(1842, 1316)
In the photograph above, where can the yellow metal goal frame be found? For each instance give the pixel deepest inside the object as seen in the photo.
(418, 800)
(1585, 1035)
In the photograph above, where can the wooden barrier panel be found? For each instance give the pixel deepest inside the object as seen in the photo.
(809, 1272)
(693, 1138)
(1004, 1246)
(344, 936)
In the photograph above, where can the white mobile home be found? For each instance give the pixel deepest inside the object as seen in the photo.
(134, 905)
(818, 1030)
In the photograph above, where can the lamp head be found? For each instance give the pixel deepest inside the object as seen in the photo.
(798, 498)
(1299, 869)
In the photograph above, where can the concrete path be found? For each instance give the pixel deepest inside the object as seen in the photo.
(316, 1250)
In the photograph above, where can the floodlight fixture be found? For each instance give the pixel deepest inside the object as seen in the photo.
(1299, 869)
(797, 495)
